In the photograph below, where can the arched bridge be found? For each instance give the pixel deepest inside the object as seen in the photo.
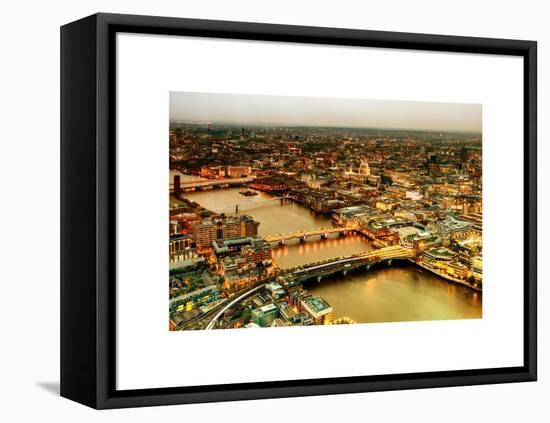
(191, 185)
(303, 235)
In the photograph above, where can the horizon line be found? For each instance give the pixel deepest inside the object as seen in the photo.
(271, 125)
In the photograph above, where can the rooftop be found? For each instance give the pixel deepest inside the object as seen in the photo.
(317, 304)
(268, 308)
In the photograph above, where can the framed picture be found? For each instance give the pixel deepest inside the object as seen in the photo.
(258, 211)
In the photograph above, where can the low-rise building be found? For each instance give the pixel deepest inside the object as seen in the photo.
(199, 297)
(477, 267)
(238, 171)
(265, 315)
(252, 249)
(452, 228)
(206, 231)
(353, 215)
(318, 309)
(457, 270)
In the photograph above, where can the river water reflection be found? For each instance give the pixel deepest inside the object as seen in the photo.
(385, 294)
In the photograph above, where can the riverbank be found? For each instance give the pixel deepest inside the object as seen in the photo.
(446, 276)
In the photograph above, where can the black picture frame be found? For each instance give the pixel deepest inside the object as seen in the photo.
(88, 201)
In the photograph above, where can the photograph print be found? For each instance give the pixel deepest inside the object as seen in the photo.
(297, 211)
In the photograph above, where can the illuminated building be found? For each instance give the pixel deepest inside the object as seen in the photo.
(374, 180)
(204, 233)
(413, 195)
(318, 309)
(194, 299)
(212, 172)
(238, 171)
(440, 169)
(476, 219)
(458, 270)
(364, 169)
(353, 215)
(453, 228)
(387, 204)
(313, 181)
(294, 149)
(396, 191)
(275, 289)
(362, 174)
(437, 258)
(477, 267)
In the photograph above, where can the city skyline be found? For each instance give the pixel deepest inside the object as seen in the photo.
(299, 223)
(290, 111)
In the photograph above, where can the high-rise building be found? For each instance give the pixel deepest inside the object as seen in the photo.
(204, 233)
(250, 227)
(177, 186)
(464, 154)
(230, 228)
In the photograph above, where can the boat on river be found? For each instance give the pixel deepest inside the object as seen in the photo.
(248, 192)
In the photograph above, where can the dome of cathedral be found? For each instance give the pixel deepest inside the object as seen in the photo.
(364, 168)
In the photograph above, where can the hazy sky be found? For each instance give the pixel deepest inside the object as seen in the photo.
(319, 111)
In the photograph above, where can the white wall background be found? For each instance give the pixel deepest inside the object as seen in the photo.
(29, 171)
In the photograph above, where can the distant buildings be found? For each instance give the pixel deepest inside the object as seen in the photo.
(212, 172)
(440, 169)
(362, 174)
(353, 215)
(277, 183)
(422, 192)
(238, 171)
(387, 204)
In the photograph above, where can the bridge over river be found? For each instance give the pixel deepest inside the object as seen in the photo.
(303, 235)
(345, 264)
(320, 269)
(251, 204)
(192, 185)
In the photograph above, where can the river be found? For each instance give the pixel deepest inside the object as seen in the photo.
(385, 294)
